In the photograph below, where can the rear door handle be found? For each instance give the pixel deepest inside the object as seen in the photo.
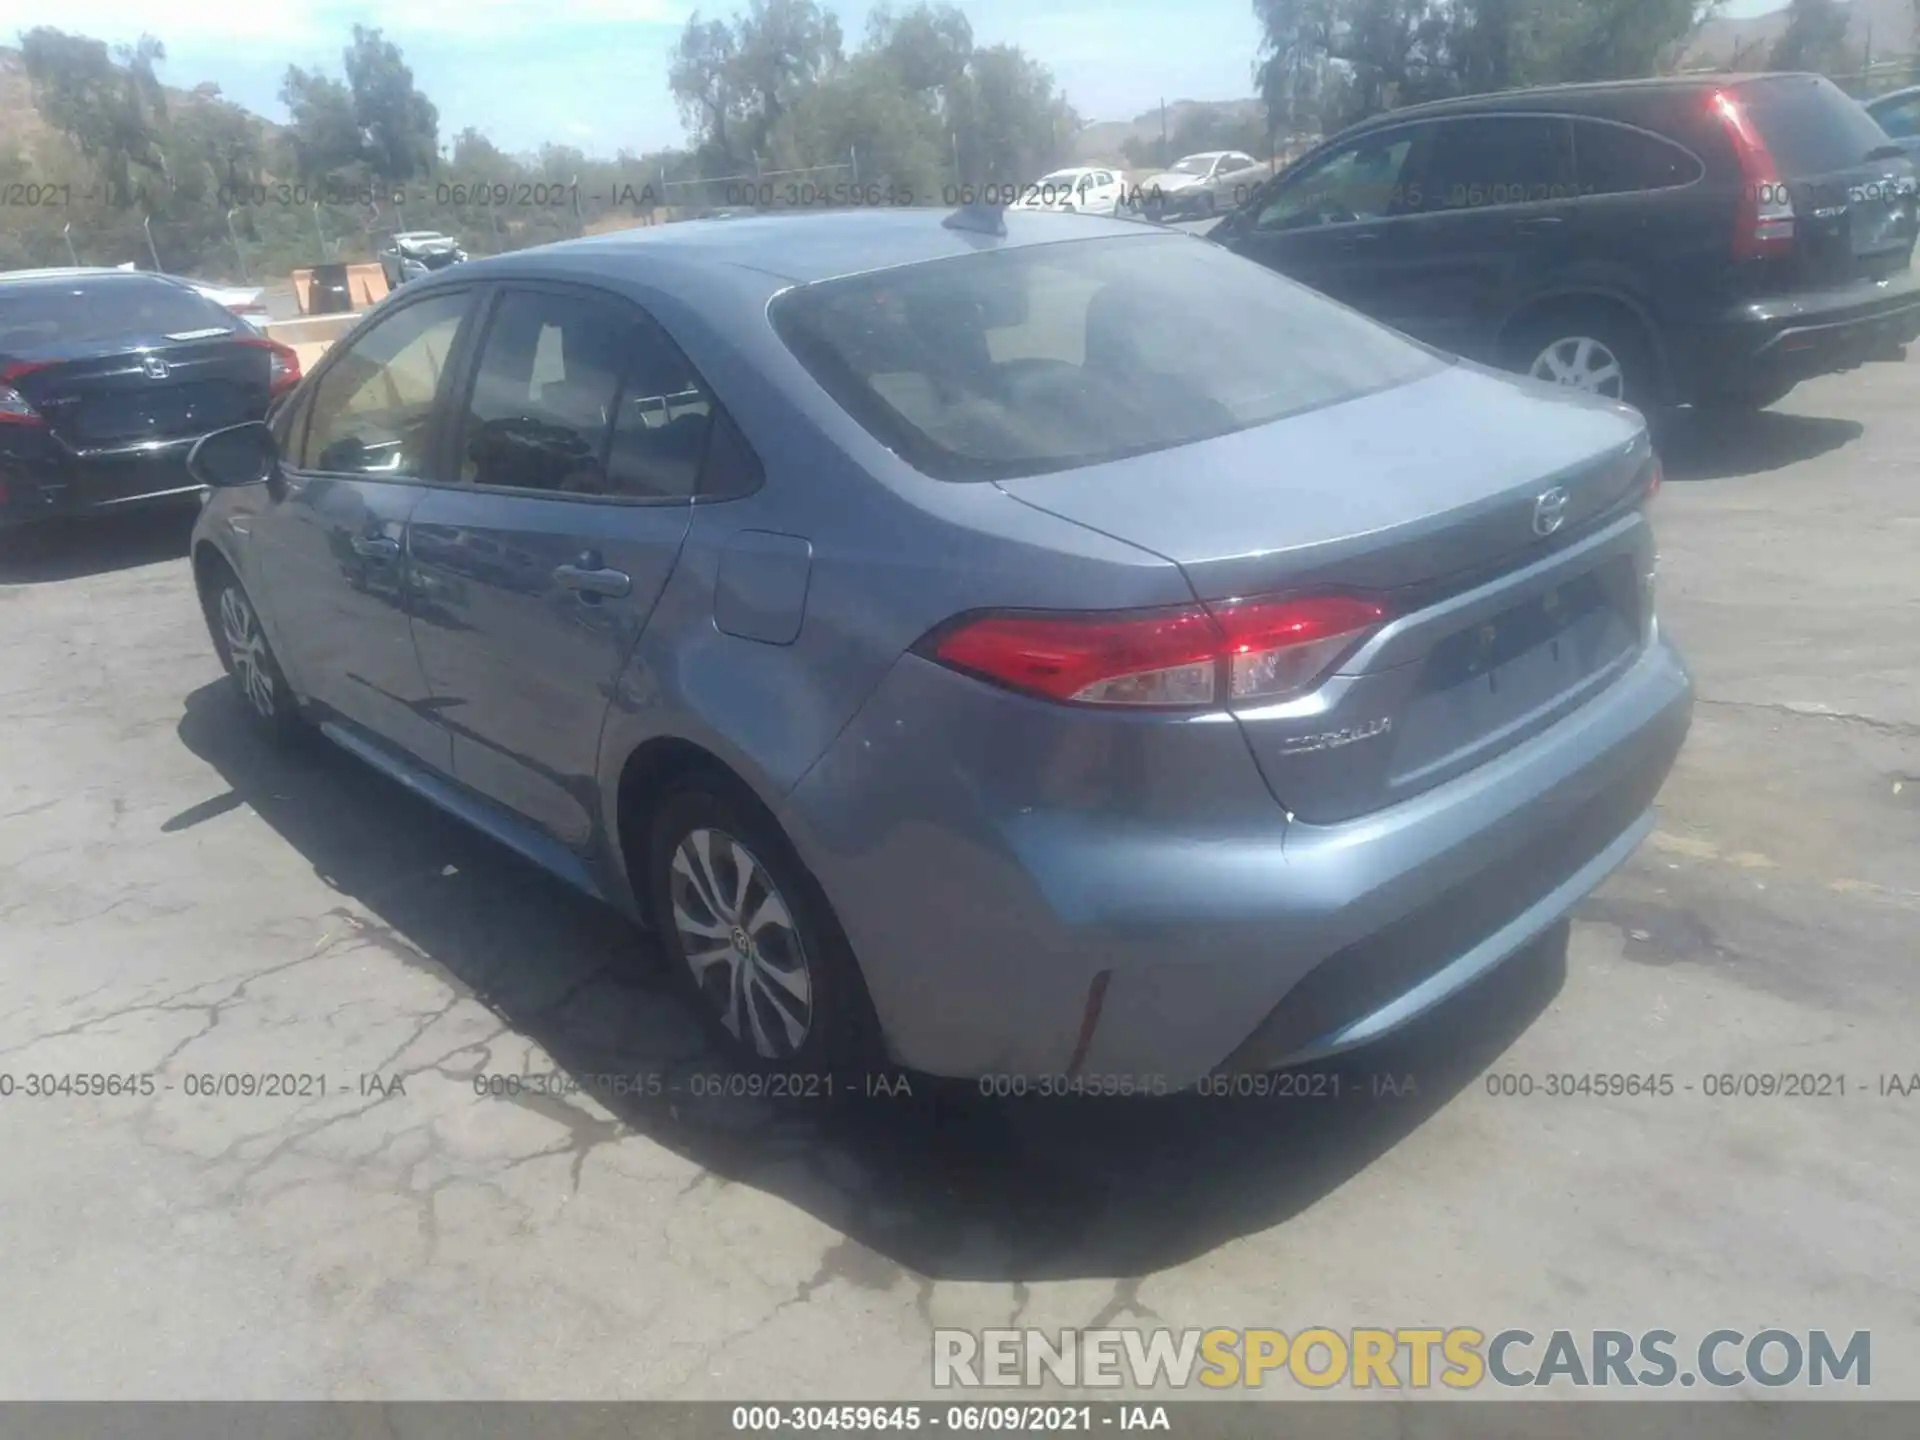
(1539, 222)
(594, 581)
(376, 547)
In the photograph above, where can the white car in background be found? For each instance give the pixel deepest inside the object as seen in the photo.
(249, 304)
(1090, 189)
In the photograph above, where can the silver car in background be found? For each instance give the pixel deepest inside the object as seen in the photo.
(1212, 182)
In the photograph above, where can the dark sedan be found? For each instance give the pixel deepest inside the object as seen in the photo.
(108, 377)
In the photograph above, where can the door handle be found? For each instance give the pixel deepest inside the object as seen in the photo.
(594, 582)
(376, 547)
(1539, 222)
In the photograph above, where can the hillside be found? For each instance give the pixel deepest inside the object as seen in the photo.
(1102, 142)
(1888, 24)
(22, 128)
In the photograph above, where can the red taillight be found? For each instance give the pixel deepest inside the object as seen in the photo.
(284, 366)
(1764, 225)
(1189, 656)
(1656, 476)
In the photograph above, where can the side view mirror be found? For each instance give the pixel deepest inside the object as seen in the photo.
(239, 455)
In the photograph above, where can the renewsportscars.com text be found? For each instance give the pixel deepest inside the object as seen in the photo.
(1457, 1358)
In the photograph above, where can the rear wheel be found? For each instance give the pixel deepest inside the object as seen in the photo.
(248, 658)
(750, 936)
(1593, 351)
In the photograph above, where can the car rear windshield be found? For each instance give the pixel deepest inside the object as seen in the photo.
(1031, 359)
(86, 311)
(1809, 125)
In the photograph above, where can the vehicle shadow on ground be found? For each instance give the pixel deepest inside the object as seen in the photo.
(72, 549)
(1696, 447)
(937, 1184)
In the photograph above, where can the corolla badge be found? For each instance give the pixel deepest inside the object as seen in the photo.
(1550, 511)
(155, 367)
(1334, 739)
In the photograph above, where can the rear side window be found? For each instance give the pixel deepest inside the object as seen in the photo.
(1809, 126)
(1497, 160)
(1901, 119)
(1617, 160)
(104, 310)
(1027, 360)
(579, 396)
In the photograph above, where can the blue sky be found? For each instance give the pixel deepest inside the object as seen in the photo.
(593, 73)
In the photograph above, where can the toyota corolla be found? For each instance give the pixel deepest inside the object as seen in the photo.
(948, 658)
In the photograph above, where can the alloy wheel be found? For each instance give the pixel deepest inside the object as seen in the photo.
(741, 943)
(1581, 362)
(247, 648)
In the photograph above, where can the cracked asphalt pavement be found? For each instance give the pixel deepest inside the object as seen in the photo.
(180, 902)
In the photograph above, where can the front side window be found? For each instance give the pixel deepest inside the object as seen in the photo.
(1040, 358)
(1364, 181)
(372, 411)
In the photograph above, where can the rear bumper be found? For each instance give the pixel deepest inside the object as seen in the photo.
(1763, 343)
(1050, 938)
(41, 479)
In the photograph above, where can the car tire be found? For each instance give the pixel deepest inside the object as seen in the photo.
(1594, 350)
(750, 937)
(246, 655)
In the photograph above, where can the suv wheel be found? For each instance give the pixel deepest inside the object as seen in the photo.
(248, 659)
(1589, 351)
(749, 934)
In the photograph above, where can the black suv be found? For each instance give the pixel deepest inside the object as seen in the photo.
(1708, 241)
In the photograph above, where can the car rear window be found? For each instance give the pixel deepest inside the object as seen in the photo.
(1809, 125)
(103, 310)
(1031, 359)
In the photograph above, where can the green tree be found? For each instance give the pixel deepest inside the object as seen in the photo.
(399, 126)
(1815, 38)
(324, 139)
(109, 104)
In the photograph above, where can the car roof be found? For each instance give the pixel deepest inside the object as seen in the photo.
(802, 249)
(1545, 97)
(53, 276)
(1878, 100)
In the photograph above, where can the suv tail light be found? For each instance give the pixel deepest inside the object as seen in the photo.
(1764, 224)
(284, 361)
(1188, 656)
(15, 408)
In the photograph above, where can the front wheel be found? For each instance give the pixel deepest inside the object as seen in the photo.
(750, 935)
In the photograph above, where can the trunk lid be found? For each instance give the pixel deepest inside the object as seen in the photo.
(1432, 496)
(144, 388)
(1852, 187)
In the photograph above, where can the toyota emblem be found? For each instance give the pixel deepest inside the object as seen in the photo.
(1549, 511)
(155, 367)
